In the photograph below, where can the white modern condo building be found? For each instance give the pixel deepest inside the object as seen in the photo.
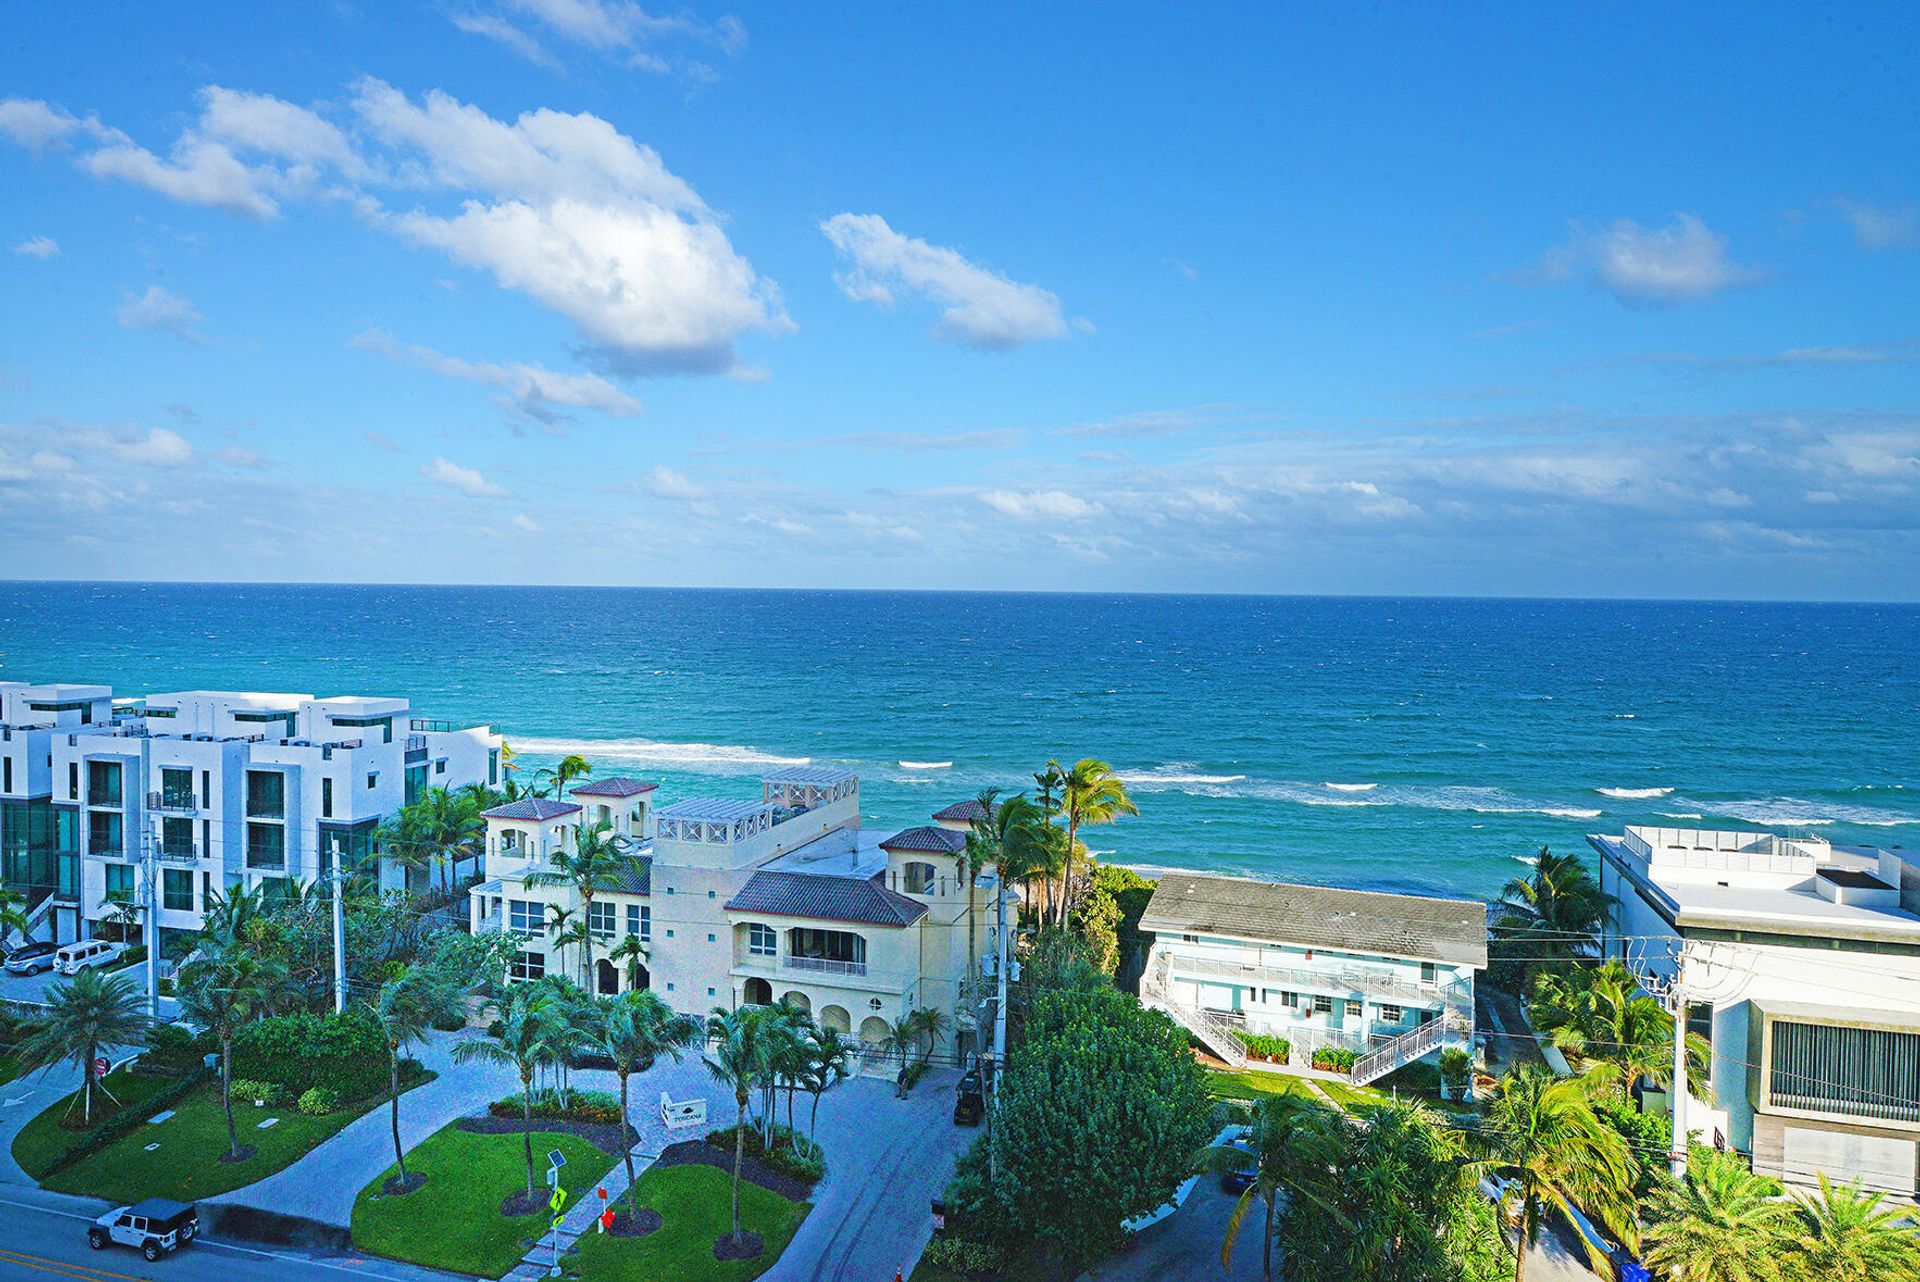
(213, 789)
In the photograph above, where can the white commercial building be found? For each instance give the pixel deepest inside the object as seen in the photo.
(779, 898)
(1800, 962)
(1388, 977)
(214, 789)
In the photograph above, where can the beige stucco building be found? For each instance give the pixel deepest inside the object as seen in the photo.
(781, 898)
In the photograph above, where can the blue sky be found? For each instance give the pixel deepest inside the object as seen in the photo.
(1620, 302)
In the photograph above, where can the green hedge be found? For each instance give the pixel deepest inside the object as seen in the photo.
(793, 1154)
(1335, 1059)
(1264, 1047)
(125, 1122)
(568, 1105)
(344, 1053)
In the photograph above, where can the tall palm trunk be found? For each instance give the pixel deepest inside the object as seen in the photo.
(633, 1198)
(1268, 1241)
(739, 1155)
(526, 1112)
(226, 1094)
(393, 1075)
(86, 1108)
(586, 941)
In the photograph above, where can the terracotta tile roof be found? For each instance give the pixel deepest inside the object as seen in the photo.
(938, 841)
(634, 878)
(1357, 921)
(617, 786)
(965, 811)
(853, 899)
(537, 808)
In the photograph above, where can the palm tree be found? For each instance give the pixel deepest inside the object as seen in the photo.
(571, 767)
(829, 1059)
(227, 987)
(527, 1041)
(1600, 1014)
(1049, 781)
(927, 1023)
(598, 857)
(439, 827)
(84, 1014)
(1554, 911)
(406, 1008)
(1558, 1154)
(632, 954)
(1722, 1223)
(979, 852)
(1846, 1236)
(736, 1060)
(13, 912)
(635, 1028)
(1090, 793)
(1294, 1142)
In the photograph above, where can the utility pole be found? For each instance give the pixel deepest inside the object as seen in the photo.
(1672, 995)
(149, 879)
(339, 932)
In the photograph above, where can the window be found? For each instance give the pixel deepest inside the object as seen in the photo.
(266, 794)
(640, 922)
(917, 879)
(493, 767)
(1391, 1014)
(600, 919)
(326, 798)
(73, 781)
(103, 832)
(285, 720)
(415, 781)
(176, 838)
(528, 966)
(525, 919)
(6, 774)
(709, 894)
(206, 785)
(710, 938)
(1289, 999)
(1322, 1005)
(440, 766)
(373, 780)
(1355, 1009)
(266, 846)
(176, 789)
(119, 883)
(176, 890)
(761, 940)
(826, 945)
(1859, 1072)
(1429, 972)
(103, 783)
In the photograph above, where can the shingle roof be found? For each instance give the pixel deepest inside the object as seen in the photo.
(967, 811)
(855, 899)
(1362, 921)
(538, 808)
(618, 786)
(634, 878)
(941, 841)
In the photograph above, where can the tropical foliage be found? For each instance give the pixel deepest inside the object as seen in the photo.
(85, 1015)
(1549, 917)
(1598, 1014)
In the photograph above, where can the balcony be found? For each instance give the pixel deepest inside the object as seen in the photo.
(416, 749)
(178, 803)
(824, 964)
(1378, 983)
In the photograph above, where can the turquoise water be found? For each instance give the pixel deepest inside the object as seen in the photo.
(1403, 744)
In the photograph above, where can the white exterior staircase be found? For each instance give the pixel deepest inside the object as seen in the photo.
(1404, 1049)
(1217, 1033)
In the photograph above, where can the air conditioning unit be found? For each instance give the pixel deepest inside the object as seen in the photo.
(153, 801)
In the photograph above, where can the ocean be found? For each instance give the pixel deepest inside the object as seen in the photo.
(1426, 745)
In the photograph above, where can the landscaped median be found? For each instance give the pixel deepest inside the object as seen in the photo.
(693, 1201)
(454, 1220)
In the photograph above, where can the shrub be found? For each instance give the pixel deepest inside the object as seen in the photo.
(792, 1154)
(1456, 1068)
(246, 1088)
(570, 1105)
(452, 1022)
(1263, 1046)
(913, 1073)
(297, 1052)
(1334, 1059)
(317, 1101)
(960, 1255)
(132, 956)
(173, 1049)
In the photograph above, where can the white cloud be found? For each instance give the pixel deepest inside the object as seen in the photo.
(1027, 505)
(505, 33)
(468, 481)
(158, 448)
(525, 524)
(161, 311)
(559, 206)
(610, 27)
(665, 483)
(532, 390)
(1881, 226)
(1684, 262)
(38, 247)
(981, 307)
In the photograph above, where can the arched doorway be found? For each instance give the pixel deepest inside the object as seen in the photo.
(874, 1031)
(642, 977)
(758, 992)
(607, 978)
(836, 1018)
(797, 1000)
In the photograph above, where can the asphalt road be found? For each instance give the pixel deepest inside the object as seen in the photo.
(45, 1238)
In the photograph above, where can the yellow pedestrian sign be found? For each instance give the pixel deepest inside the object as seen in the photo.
(558, 1200)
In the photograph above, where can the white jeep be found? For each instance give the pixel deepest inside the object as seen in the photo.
(155, 1227)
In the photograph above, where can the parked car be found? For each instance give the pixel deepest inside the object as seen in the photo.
(969, 1106)
(85, 954)
(29, 959)
(1239, 1179)
(155, 1227)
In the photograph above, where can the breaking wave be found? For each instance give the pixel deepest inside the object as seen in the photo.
(1787, 812)
(717, 757)
(1634, 794)
(1353, 787)
(926, 765)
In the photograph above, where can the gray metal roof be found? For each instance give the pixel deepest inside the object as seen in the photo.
(854, 899)
(719, 809)
(825, 776)
(1359, 921)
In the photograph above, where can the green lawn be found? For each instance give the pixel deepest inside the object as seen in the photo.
(9, 1068)
(1351, 1097)
(695, 1208)
(1222, 1084)
(454, 1222)
(43, 1140)
(186, 1164)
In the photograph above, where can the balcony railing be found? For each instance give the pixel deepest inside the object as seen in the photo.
(178, 854)
(416, 749)
(1380, 983)
(827, 964)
